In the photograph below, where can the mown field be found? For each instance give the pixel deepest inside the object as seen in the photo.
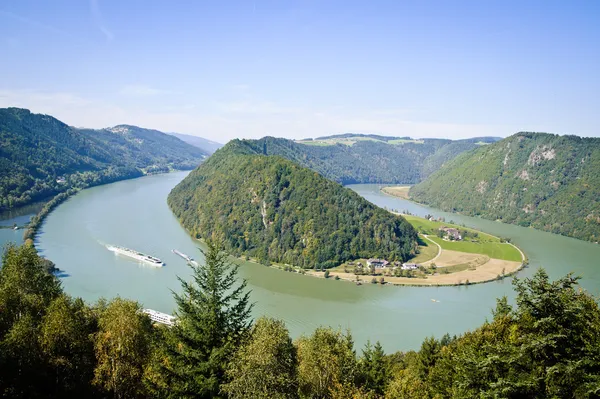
(476, 243)
(496, 250)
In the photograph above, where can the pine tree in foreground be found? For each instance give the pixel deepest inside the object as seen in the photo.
(213, 316)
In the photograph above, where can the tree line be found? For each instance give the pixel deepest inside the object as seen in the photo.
(52, 345)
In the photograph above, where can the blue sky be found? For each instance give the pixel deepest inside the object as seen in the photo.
(225, 69)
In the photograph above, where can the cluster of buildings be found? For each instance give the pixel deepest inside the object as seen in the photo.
(383, 264)
(451, 233)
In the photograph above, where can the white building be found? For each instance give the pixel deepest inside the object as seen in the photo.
(377, 263)
(409, 266)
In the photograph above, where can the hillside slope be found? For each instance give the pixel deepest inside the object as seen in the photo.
(367, 158)
(541, 180)
(205, 145)
(38, 151)
(272, 209)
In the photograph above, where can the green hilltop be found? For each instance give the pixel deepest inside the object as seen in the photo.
(275, 210)
(541, 180)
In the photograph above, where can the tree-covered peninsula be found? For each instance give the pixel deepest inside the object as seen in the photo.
(271, 209)
(541, 180)
(41, 156)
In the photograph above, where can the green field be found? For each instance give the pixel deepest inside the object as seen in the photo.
(428, 252)
(349, 141)
(404, 141)
(484, 243)
(431, 228)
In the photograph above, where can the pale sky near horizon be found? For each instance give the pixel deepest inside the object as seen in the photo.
(295, 69)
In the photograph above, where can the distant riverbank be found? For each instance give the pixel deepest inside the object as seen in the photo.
(397, 191)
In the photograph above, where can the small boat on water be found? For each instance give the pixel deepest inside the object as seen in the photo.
(181, 254)
(136, 255)
(187, 258)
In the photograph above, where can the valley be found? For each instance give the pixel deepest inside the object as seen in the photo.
(134, 214)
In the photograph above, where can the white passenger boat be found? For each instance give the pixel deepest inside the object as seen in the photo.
(159, 317)
(136, 255)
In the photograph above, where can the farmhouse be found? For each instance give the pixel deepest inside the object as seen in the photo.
(377, 263)
(451, 233)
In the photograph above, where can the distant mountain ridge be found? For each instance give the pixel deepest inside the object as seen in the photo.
(541, 180)
(272, 209)
(206, 145)
(367, 161)
(486, 139)
(41, 156)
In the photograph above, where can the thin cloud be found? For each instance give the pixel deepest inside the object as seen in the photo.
(99, 20)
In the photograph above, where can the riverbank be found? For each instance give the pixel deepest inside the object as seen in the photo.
(397, 191)
(483, 258)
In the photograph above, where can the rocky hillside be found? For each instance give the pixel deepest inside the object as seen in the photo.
(541, 180)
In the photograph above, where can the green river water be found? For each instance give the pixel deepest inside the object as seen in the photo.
(134, 214)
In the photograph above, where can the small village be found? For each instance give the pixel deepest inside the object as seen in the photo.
(375, 265)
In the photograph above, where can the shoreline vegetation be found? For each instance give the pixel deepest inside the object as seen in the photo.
(439, 268)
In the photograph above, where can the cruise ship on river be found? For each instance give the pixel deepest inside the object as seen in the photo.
(136, 255)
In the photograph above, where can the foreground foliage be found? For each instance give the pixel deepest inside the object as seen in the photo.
(541, 180)
(545, 346)
(269, 208)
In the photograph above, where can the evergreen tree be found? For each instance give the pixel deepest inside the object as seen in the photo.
(374, 368)
(213, 317)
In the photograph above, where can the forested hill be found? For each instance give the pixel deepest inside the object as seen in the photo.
(350, 159)
(541, 180)
(272, 209)
(41, 156)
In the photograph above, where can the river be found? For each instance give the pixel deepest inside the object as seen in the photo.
(134, 213)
